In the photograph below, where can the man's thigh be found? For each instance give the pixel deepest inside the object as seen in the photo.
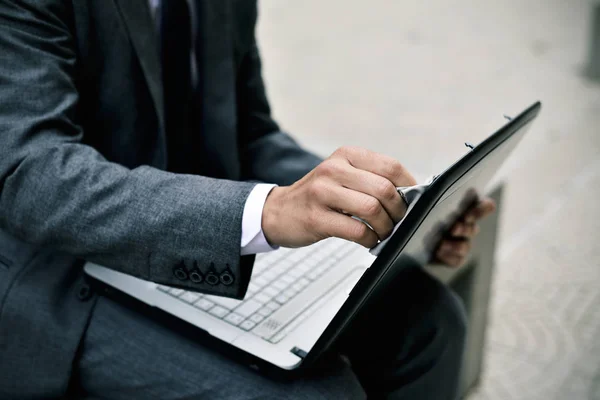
(128, 356)
(410, 343)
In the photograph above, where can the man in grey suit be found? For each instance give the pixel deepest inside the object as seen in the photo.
(137, 134)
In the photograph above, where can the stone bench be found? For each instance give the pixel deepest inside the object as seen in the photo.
(473, 284)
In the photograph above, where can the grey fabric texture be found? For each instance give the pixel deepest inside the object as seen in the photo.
(82, 169)
(404, 353)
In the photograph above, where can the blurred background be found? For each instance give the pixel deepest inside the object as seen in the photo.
(415, 80)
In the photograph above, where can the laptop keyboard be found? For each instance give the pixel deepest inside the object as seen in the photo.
(278, 277)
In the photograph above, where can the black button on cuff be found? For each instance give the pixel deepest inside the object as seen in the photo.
(196, 276)
(227, 278)
(84, 293)
(180, 273)
(211, 278)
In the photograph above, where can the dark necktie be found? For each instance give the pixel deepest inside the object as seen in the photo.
(175, 29)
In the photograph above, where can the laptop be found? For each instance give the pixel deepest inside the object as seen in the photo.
(299, 301)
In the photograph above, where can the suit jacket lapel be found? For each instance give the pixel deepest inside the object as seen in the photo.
(144, 38)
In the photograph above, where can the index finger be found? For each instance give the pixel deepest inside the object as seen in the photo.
(379, 164)
(482, 209)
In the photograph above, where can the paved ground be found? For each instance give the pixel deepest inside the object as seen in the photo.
(417, 79)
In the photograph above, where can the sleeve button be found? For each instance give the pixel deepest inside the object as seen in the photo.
(226, 278)
(211, 278)
(180, 273)
(84, 293)
(196, 277)
(195, 274)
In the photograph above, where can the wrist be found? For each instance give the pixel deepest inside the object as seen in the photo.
(270, 216)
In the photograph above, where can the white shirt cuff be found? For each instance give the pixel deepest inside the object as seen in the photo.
(253, 238)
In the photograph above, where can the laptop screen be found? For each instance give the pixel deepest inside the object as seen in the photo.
(456, 199)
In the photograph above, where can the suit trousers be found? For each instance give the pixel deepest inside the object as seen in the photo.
(409, 346)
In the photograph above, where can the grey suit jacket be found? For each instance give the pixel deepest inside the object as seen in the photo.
(82, 168)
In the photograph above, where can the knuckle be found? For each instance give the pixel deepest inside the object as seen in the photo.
(341, 151)
(324, 168)
(397, 170)
(386, 190)
(329, 168)
(394, 168)
(359, 232)
(371, 207)
(347, 151)
(313, 189)
(317, 190)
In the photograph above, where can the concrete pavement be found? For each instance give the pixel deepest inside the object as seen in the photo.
(415, 80)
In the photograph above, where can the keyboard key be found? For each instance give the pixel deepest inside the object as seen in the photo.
(256, 318)
(304, 267)
(290, 292)
(296, 256)
(304, 282)
(234, 319)
(313, 259)
(163, 288)
(265, 311)
(296, 273)
(189, 297)
(263, 298)
(327, 265)
(176, 292)
(248, 308)
(270, 291)
(260, 265)
(284, 315)
(282, 266)
(287, 279)
(279, 284)
(344, 250)
(312, 275)
(247, 325)
(273, 305)
(269, 275)
(282, 299)
(204, 304)
(224, 302)
(253, 287)
(219, 311)
(260, 281)
(297, 286)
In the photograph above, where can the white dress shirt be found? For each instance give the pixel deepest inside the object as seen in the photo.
(253, 238)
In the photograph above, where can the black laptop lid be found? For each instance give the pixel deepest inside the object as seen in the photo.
(441, 203)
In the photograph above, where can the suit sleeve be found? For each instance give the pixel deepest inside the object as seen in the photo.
(57, 192)
(267, 153)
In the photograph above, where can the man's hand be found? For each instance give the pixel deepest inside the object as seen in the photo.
(454, 248)
(351, 182)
